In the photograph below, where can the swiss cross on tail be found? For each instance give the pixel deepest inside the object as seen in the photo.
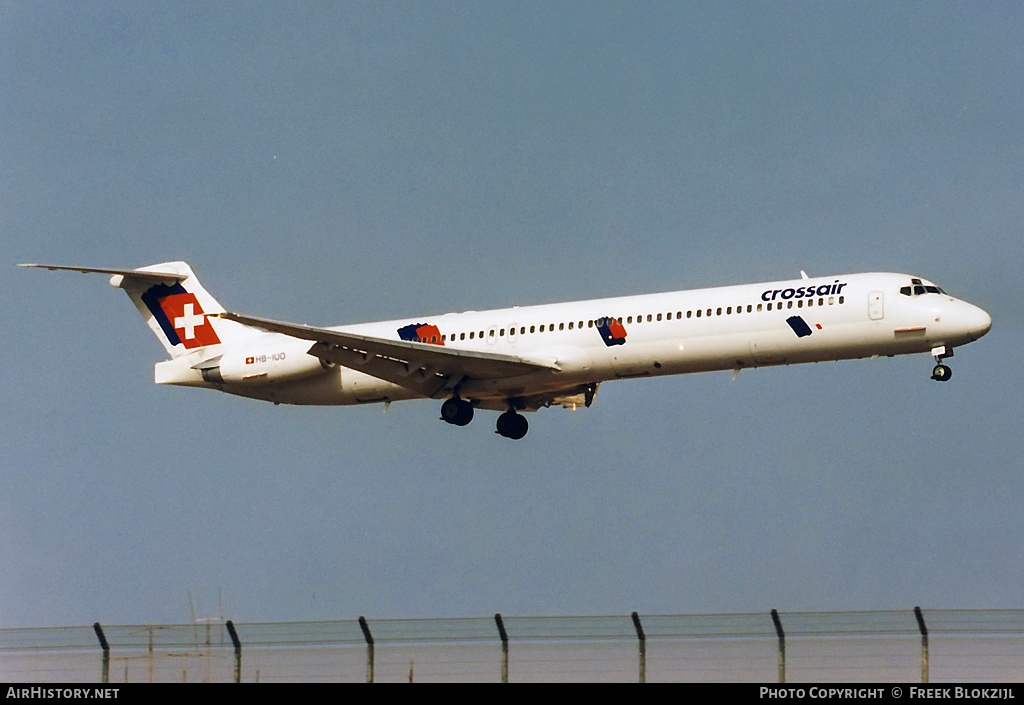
(180, 316)
(186, 315)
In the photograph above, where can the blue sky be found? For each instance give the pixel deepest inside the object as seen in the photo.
(334, 163)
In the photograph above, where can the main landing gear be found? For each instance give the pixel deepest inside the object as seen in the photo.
(459, 412)
(941, 373)
(512, 425)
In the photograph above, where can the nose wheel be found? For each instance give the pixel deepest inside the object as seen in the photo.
(941, 373)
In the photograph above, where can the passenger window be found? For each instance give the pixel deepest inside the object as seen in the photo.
(659, 316)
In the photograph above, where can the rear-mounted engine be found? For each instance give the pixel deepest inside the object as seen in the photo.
(260, 368)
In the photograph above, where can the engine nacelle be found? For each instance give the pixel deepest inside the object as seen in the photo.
(267, 365)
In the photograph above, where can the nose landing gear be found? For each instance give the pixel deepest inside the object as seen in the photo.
(941, 373)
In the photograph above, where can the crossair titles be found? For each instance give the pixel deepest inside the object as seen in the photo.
(803, 291)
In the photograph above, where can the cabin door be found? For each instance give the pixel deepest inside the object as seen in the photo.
(876, 306)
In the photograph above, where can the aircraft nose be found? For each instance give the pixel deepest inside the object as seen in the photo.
(978, 322)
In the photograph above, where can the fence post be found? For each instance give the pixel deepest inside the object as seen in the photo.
(782, 645)
(106, 651)
(504, 646)
(643, 646)
(924, 644)
(369, 648)
(238, 650)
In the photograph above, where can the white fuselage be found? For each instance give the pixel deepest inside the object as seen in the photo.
(587, 342)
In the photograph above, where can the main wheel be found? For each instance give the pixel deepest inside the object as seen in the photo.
(457, 411)
(512, 425)
(941, 373)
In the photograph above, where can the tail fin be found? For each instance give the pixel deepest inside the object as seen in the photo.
(173, 303)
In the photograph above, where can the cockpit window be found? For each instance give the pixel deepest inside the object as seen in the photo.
(918, 288)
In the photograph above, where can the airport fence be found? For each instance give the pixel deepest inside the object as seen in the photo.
(877, 646)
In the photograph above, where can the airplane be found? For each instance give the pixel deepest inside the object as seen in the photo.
(522, 359)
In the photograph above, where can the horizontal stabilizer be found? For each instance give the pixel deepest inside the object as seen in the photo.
(173, 303)
(155, 276)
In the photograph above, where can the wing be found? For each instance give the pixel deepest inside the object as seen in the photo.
(430, 370)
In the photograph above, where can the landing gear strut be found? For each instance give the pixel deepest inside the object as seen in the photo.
(941, 373)
(513, 425)
(457, 411)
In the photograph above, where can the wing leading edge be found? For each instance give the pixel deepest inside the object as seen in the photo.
(430, 370)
